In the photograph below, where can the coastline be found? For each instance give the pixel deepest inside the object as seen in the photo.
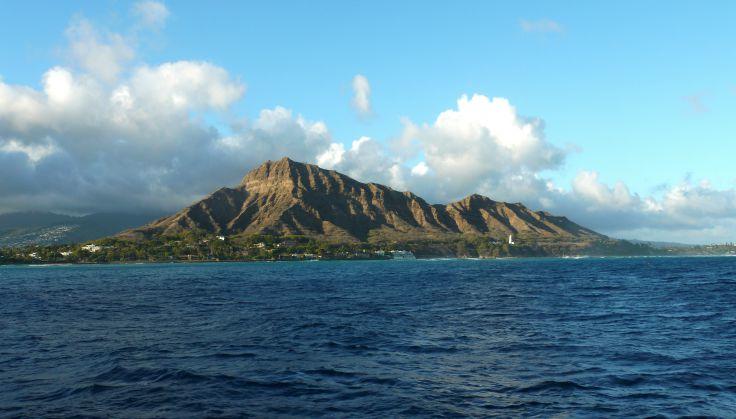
(418, 259)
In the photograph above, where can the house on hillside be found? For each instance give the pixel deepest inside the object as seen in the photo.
(92, 248)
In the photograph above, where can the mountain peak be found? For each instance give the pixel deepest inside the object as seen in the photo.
(475, 200)
(282, 170)
(273, 167)
(285, 162)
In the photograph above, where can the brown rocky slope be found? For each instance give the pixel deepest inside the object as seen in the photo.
(289, 198)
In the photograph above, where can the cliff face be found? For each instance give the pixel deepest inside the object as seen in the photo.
(287, 197)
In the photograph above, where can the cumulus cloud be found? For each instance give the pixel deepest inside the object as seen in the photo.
(480, 145)
(151, 13)
(103, 57)
(541, 26)
(587, 186)
(367, 160)
(274, 134)
(420, 169)
(185, 85)
(361, 95)
(686, 211)
(137, 137)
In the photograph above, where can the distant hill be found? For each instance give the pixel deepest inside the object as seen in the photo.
(289, 198)
(662, 245)
(44, 228)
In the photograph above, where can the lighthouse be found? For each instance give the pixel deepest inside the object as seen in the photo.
(511, 239)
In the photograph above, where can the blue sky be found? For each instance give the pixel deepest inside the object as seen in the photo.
(640, 92)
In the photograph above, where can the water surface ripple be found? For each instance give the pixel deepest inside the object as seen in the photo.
(590, 337)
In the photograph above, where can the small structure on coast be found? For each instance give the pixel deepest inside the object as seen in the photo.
(402, 254)
(92, 248)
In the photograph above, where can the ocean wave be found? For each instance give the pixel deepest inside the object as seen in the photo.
(553, 385)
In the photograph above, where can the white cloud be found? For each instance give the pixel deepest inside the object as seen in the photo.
(366, 160)
(362, 95)
(151, 13)
(186, 85)
(332, 156)
(541, 26)
(685, 212)
(274, 134)
(480, 145)
(86, 142)
(103, 57)
(587, 186)
(420, 169)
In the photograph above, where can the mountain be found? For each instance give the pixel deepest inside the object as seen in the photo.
(289, 198)
(44, 228)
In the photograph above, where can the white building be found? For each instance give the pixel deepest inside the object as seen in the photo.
(511, 239)
(92, 248)
(221, 238)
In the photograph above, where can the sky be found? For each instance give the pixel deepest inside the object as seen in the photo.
(618, 115)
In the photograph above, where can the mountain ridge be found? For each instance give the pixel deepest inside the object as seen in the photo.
(48, 228)
(285, 197)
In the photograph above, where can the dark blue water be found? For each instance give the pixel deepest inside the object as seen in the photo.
(593, 337)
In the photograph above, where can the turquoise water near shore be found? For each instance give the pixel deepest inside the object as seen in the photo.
(607, 337)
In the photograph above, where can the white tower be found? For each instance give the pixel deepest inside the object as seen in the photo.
(511, 239)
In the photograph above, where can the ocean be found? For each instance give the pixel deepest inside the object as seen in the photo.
(607, 337)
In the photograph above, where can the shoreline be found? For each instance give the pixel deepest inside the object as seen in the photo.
(418, 259)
